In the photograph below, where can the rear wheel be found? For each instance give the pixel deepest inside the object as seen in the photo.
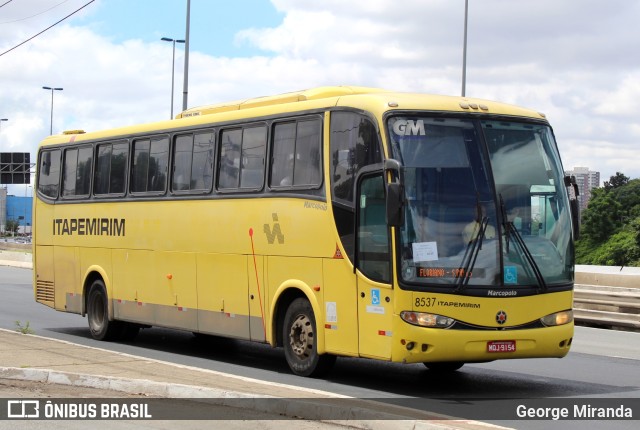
(98, 314)
(300, 341)
(444, 366)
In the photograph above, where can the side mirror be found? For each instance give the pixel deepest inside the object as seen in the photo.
(394, 205)
(394, 193)
(575, 218)
(570, 181)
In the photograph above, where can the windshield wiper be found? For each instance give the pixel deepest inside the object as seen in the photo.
(510, 229)
(471, 253)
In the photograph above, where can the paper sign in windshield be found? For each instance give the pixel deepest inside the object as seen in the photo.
(425, 251)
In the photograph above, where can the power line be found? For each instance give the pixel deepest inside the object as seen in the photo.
(48, 28)
(5, 3)
(32, 16)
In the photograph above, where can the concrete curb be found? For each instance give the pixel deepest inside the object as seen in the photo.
(129, 386)
(309, 392)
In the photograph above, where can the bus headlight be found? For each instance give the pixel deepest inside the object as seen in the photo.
(559, 318)
(426, 320)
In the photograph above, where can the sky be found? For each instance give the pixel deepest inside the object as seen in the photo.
(577, 61)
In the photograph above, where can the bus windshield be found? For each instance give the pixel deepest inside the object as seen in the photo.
(485, 205)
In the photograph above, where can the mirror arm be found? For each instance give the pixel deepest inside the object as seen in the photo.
(394, 193)
(570, 181)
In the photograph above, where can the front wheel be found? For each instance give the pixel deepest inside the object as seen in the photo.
(98, 314)
(300, 341)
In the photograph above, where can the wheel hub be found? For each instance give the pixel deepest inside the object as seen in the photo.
(301, 336)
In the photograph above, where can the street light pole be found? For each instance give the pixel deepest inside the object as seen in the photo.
(185, 88)
(173, 67)
(1, 121)
(2, 214)
(52, 90)
(464, 49)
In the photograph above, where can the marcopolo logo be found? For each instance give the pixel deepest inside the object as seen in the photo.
(409, 127)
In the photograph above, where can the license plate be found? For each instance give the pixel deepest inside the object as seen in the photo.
(501, 346)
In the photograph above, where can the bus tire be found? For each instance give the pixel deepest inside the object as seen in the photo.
(444, 366)
(300, 341)
(98, 314)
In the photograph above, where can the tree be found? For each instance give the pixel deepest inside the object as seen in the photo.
(611, 225)
(616, 181)
(12, 226)
(635, 228)
(628, 196)
(602, 217)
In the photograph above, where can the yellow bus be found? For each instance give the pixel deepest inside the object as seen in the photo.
(335, 221)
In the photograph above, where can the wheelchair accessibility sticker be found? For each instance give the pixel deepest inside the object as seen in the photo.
(375, 296)
(510, 275)
(374, 307)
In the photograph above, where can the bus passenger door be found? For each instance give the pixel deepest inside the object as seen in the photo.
(373, 274)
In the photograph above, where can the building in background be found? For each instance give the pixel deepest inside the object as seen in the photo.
(15, 208)
(587, 180)
(19, 209)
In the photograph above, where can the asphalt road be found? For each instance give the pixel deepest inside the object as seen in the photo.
(602, 364)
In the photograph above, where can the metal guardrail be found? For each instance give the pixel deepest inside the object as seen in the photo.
(616, 307)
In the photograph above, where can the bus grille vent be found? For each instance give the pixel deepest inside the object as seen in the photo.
(45, 292)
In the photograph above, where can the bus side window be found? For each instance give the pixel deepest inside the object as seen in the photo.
(193, 162)
(254, 144)
(296, 157)
(284, 142)
(229, 171)
(49, 173)
(77, 172)
(158, 164)
(242, 155)
(182, 159)
(111, 168)
(308, 141)
(140, 165)
(150, 164)
(202, 166)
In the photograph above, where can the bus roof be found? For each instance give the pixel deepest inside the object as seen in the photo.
(390, 99)
(375, 100)
(296, 96)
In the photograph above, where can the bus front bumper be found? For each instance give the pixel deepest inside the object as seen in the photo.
(414, 344)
